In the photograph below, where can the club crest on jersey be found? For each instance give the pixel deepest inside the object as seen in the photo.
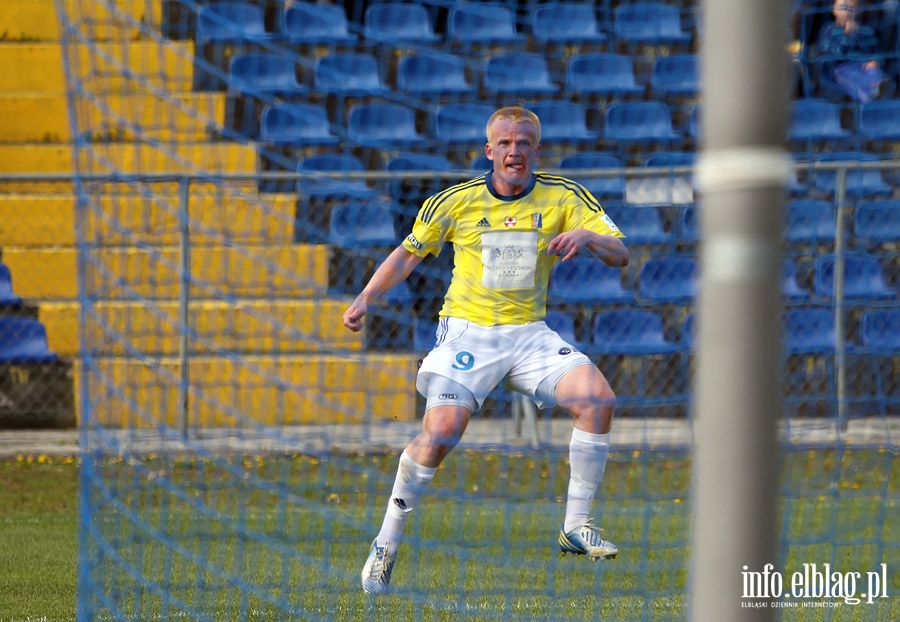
(510, 222)
(537, 221)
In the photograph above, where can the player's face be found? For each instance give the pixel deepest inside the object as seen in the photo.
(514, 150)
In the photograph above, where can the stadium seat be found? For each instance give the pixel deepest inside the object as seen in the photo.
(562, 122)
(879, 330)
(231, 22)
(566, 23)
(790, 288)
(383, 126)
(481, 163)
(306, 23)
(694, 126)
(639, 122)
(860, 182)
(262, 74)
(689, 332)
(668, 186)
(423, 185)
(586, 280)
(670, 279)
(332, 186)
(518, 74)
(809, 221)
(808, 331)
(689, 227)
(472, 23)
(676, 75)
(863, 278)
(652, 23)
(296, 124)
(630, 332)
(877, 222)
(398, 22)
(641, 224)
(24, 340)
(602, 74)
(564, 325)
(880, 120)
(612, 186)
(462, 123)
(879, 333)
(429, 74)
(8, 297)
(363, 225)
(816, 120)
(348, 74)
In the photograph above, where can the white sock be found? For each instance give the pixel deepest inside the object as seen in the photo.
(587, 460)
(411, 481)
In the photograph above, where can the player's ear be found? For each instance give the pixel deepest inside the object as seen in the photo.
(489, 152)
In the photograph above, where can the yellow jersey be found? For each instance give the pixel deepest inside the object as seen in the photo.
(501, 267)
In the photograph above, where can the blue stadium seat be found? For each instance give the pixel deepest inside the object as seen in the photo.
(790, 288)
(879, 330)
(642, 224)
(462, 123)
(639, 122)
(481, 164)
(231, 22)
(363, 225)
(586, 280)
(398, 22)
(296, 124)
(24, 340)
(471, 23)
(601, 187)
(880, 120)
(427, 74)
(601, 74)
(564, 325)
(652, 23)
(877, 222)
(816, 120)
(424, 185)
(348, 74)
(879, 333)
(808, 331)
(670, 279)
(384, 126)
(863, 278)
(8, 297)
(332, 186)
(567, 23)
(306, 23)
(689, 332)
(689, 227)
(809, 221)
(518, 74)
(694, 125)
(562, 122)
(860, 182)
(630, 332)
(676, 75)
(261, 74)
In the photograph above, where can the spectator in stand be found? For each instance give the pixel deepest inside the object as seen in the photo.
(850, 55)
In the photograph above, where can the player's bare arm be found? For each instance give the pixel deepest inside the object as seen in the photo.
(607, 248)
(395, 269)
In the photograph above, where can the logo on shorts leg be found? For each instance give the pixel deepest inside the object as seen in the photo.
(448, 396)
(565, 351)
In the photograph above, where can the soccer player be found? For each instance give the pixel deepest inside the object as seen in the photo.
(507, 227)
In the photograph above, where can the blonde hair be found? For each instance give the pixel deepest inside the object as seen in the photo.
(514, 114)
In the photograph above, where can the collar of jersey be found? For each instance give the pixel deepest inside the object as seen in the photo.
(490, 187)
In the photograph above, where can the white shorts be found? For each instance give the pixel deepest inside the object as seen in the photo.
(480, 357)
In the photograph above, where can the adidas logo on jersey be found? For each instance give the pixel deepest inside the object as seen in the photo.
(483, 223)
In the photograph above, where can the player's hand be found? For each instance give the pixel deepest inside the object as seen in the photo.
(353, 316)
(567, 244)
